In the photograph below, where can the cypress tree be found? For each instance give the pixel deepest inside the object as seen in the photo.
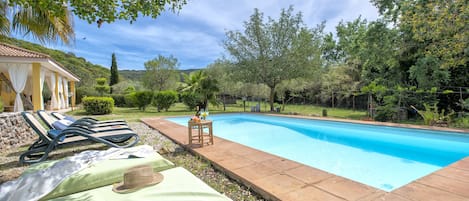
(114, 72)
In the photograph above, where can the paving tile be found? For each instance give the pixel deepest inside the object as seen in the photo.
(309, 193)
(259, 156)
(281, 164)
(216, 155)
(462, 164)
(446, 184)
(278, 184)
(234, 162)
(255, 171)
(454, 173)
(383, 196)
(345, 188)
(416, 191)
(307, 174)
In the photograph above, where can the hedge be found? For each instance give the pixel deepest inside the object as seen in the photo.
(98, 105)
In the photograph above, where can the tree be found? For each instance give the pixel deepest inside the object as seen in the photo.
(161, 73)
(273, 51)
(39, 21)
(220, 69)
(114, 72)
(201, 88)
(104, 11)
(101, 86)
(51, 20)
(432, 29)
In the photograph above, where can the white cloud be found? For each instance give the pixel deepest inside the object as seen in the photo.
(194, 36)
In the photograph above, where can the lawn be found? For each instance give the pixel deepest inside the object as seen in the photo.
(133, 114)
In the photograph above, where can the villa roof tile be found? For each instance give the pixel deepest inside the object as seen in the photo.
(13, 51)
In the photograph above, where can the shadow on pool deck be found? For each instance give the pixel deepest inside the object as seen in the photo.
(276, 178)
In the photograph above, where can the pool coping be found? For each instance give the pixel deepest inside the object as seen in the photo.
(277, 178)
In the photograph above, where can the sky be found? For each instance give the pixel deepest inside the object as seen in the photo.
(196, 33)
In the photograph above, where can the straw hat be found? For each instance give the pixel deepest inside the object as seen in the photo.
(136, 178)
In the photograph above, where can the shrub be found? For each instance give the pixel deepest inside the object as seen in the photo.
(324, 112)
(130, 100)
(84, 91)
(98, 105)
(164, 100)
(143, 99)
(1, 106)
(190, 100)
(119, 100)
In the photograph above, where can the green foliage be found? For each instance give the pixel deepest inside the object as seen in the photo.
(161, 73)
(143, 99)
(130, 99)
(84, 91)
(105, 11)
(202, 87)
(431, 116)
(114, 72)
(462, 122)
(1, 105)
(163, 100)
(276, 50)
(29, 18)
(126, 86)
(98, 105)
(324, 112)
(190, 100)
(101, 86)
(119, 100)
(427, 73)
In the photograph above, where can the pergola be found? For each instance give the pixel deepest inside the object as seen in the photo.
(22, 75)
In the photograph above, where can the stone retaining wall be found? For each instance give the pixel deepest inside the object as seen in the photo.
(14, 131)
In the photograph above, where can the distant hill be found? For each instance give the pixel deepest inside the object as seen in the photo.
(86, 71)
(137, 75)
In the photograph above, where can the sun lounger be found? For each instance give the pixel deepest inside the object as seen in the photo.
(100, 174)
(178, 184)
(89, 120)
(47, 141)
(54, 123)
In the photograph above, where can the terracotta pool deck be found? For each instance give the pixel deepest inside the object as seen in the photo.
(276, 178)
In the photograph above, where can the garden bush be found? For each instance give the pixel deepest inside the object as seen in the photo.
(143, 99)
(130, 100)
(119, 100)
(164, 99)
(85, 91)
(98, 105)
(190, 100)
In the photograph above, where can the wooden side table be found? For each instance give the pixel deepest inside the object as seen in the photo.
(199, 126)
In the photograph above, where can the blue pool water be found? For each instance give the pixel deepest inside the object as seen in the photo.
(379, 156)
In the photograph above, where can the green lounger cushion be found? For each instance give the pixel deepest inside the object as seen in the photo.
(100, 174)
(178, 184)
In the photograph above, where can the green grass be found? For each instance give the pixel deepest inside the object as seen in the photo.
(133, 114)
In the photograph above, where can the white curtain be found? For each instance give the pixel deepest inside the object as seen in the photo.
(41, 82)
(51, 84)
(18, 76)
(60, 97)
(66, 92)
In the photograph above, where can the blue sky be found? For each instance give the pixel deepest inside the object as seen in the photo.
(195, 35)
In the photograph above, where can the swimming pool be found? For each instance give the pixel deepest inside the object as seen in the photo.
(379, 156)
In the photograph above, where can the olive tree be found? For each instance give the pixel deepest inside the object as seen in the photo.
(273, 51)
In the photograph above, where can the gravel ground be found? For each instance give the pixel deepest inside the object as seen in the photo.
(11, 169)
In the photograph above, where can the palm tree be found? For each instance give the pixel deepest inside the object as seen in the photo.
(42, 24)
(203, 87)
